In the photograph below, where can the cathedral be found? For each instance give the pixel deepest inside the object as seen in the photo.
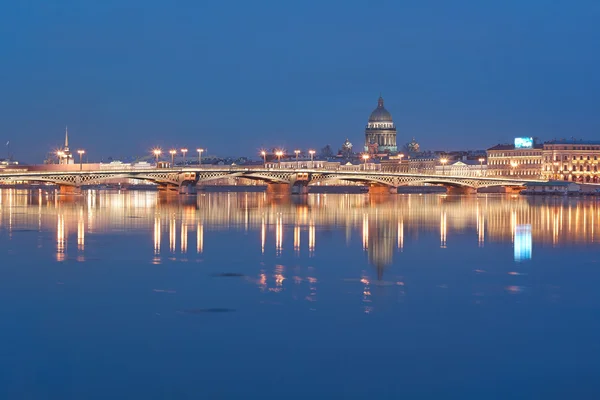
(380, 133)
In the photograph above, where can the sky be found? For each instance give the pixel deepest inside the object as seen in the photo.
(238, 76)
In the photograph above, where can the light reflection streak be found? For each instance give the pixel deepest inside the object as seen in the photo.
(184, 237)
(172, 235)
(279, 234)
(311, 238)
(60, 238)
(199, 238)
(81, 232)
(263, 235)
(157, 234)
(297, 239)
(443, 230)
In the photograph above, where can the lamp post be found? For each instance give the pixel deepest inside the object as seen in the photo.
(481, 160)
(401, 156)
(199, 156)
(172, 152)
(443, 161)
(365, 157)
(312, 155)
(264, 156)
(60, 155)
(157, 153)
(279, 153)
(184, 151)
(81, 153)
(297, 163)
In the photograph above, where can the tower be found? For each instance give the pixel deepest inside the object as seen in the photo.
(380, 132)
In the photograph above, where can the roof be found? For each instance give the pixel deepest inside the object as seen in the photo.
(572, 141)
(380, 114)
(503, 147)
(512, 147)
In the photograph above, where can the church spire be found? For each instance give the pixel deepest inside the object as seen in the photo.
(66, 137)
(380, 101)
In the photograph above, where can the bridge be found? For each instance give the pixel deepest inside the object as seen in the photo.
(185, 179)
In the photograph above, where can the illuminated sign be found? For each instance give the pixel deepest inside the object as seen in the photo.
(523, 143)
(522, 242)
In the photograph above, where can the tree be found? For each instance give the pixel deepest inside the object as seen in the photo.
(326, 152)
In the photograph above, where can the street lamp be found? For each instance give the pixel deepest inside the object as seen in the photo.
(60, 155)
(184, 151)
(81, 153)
(365, 157)
(264, 156)
(443, 161)
(481, 160)
(157, 153)
(513, 165)
(199, 156)
(172, 152)
(312, 155)
(279, 153)
(297, 152)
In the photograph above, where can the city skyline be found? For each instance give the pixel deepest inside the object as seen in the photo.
(458, 75)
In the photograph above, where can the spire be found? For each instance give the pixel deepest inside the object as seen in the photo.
(380, 101)
(66, 137)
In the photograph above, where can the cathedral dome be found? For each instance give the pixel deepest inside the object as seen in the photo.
(380, 114)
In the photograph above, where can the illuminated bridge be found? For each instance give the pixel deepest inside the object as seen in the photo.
(184, 180)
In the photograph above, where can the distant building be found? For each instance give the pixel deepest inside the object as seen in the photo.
(64, 155)
(462, 168)
(571, 160)
(380, 132)
(509, 160)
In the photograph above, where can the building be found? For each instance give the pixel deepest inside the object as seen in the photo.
(511, 160)
(571, 160)
(462, 168)
(380, 132)
(64, 155)
(553, 187)
(423, 164)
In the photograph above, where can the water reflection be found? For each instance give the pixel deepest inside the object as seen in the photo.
(384, 223)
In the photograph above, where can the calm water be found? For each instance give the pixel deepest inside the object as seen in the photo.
(239, 296)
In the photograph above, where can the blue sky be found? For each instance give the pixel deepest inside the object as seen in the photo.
(235, 76)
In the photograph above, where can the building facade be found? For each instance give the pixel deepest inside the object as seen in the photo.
(380, 132)
(506, 160)
(462, 168)
(571, 160)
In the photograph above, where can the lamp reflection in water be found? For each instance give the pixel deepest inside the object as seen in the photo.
(365, 231)
(60, 238)
(297, 239)
(263, 235)
(184, 237)
(279, 234)
(522, 242)
(401, 235)
(80, 231)
(200, 238)
(172, 235)
(311, 237)
(157, 233)
(443, 230)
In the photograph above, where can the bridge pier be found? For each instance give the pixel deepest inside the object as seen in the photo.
(454, 190)
(376, 189)
(67, 189)
(278, 188)
(188, 188)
